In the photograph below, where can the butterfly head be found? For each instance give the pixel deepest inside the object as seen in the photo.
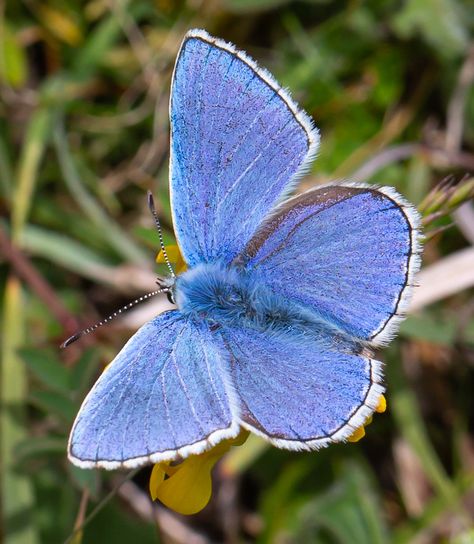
(168, 285)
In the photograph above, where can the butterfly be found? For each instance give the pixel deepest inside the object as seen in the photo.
(284, 299)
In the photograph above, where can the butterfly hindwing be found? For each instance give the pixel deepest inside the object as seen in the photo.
(348, 253)
(164, 395)
(237, 142)
(299, 392)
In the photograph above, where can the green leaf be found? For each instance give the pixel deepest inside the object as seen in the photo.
(86, 479)
(54, 403)
(13, 60)
(283, 497)
(83, 372)
(17, 497)
(45, 365)
(150, 237)
(442, 23)
(117, 238)
(246, 6)
(349, 511)
(6, 171)
(33, 448)
(98, 43)
(405, 409)
(443, 330)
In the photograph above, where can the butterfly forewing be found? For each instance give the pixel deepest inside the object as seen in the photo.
(237, 142)
(164, 395)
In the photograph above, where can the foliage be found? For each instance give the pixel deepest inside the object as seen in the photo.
(84, 92)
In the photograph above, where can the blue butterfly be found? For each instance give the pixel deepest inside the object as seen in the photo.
(283, 301)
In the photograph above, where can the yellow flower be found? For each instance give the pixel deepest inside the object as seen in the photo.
(186, 487)
(174, 256)
(360, 432)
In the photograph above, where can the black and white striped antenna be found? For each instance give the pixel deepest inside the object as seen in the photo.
(151, 205)
(92, 328)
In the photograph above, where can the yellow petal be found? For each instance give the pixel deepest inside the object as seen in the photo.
(360, 432)
(357, 435)
(186, 487)
(382, 405)
(188, 490)
(239, 439)
(224, 446)
(156, 478)
(60, 24)
(174, 255)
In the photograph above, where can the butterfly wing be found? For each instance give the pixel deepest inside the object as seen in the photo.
(300, 392)
(237, 142)
(163, 396)
(348, 253)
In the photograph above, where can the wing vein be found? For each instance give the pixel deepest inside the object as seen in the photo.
(250, 166)
(186, 394)
(211, 379)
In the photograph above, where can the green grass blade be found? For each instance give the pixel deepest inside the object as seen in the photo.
(6, 173)
(17, 497)
(98, 44)
(118, 239)
(16, 492)
(405, 409)
(66, 252)
(36, 137)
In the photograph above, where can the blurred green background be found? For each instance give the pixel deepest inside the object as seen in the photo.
(84, 90)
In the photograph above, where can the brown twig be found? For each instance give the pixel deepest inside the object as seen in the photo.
(24, 269)
(81, 516)
(432, 217)
(385, 157)
(172, 527)
(437, 157)
(434, 232)
(464, 217)
(457, 104)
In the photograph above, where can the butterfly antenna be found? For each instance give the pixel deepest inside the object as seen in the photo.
(151, 205)
(92, 328)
